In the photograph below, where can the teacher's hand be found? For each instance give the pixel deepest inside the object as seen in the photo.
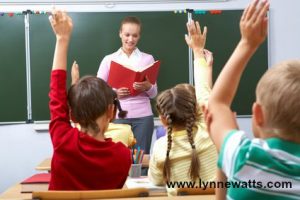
(123, 92)
(142, 86)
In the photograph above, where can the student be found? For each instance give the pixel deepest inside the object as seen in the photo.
(82, 160)
(186, 153)
(273, 156)
(140, 116)
(117, 132)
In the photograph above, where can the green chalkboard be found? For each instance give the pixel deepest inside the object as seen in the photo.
(12, 69)
(223, 36)
(96, 35)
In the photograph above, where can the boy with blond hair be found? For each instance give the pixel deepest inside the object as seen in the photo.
(269, 165)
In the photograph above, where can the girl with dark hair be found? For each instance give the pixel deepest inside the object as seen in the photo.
(82, 159)
(117, 132)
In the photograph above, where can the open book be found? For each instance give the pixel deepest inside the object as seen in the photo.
(37, 182)
(124, 76)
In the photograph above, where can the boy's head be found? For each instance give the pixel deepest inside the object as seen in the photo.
(278, 96)
(179, 104)
(89, 99)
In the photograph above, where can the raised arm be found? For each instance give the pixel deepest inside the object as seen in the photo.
(209, 60)
(202, 61)
(62, 27)
(253, 27)
(196, 39)
(60, 121)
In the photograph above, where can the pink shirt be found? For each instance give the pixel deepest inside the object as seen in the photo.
(139, 105)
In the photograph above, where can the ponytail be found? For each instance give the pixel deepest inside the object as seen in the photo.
(122, 113)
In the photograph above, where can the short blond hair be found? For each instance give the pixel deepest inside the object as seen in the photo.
(278, 91)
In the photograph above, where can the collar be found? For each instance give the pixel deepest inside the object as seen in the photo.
(135, 52)
(179, 133)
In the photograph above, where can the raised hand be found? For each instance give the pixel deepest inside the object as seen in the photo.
(196, 39)
(75, 73)
(254, 23)
(61, 23)
(62, 27)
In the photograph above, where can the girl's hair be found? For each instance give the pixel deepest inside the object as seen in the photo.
(131, 20)
(88, 100)
(180, 108)
(122, 113)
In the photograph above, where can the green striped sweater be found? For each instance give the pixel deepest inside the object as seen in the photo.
(260, 169)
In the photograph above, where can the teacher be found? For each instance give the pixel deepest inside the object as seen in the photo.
(140, 115)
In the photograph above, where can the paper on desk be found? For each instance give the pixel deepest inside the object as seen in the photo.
(144, 182)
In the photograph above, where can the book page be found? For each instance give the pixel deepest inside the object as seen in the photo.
(137, 68)
(145, 67)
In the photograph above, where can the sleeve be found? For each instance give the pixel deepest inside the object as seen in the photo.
(155, 172)
(201, 85)
(233, 152)
(152, 92)
(60, 121)
(104, 68)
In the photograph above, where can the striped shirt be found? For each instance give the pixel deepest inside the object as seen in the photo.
(180, 154)
(265, 169)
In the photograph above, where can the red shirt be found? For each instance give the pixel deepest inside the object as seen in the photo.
(79, 161)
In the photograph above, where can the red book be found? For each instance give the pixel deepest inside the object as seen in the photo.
(124, 76)
(37, 182)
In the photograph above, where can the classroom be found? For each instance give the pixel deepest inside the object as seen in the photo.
(25, 140)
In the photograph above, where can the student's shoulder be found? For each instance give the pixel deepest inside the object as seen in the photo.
(121, 153)
(119, 146)
(113, 126)
(202, 139)
(160, 143)
(235, 136)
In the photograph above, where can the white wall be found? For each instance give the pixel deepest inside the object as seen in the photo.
(22, 148)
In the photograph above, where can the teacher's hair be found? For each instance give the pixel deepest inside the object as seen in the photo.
(131, 20)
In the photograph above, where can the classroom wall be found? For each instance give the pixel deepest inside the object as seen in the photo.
(22, 148)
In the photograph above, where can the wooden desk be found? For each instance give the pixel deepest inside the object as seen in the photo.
(193, 197)
(14, 193)
(45, 165)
